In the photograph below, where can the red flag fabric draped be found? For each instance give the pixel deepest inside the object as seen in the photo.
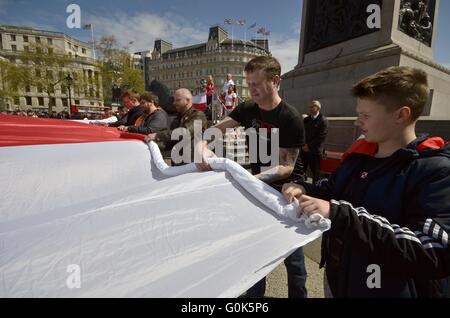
(25, 131)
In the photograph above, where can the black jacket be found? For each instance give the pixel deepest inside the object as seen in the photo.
(396, 216)
(131, 117)
(316, 131)
(151, 123)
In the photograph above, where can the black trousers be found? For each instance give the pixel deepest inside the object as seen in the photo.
(312, 160)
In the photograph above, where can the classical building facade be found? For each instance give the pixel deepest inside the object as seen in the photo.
(86, 89)
(220, 55)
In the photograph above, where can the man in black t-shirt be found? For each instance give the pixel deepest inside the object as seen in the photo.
(289, 127)
(267, 110)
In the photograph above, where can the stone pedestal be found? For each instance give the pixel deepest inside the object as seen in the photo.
(337, 49)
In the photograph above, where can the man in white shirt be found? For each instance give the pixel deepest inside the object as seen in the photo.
(227, 84)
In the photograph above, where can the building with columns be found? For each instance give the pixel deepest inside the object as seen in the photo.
(87, 82)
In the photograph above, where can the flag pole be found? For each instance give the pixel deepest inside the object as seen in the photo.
(245, 38)
(232, 25)
(93, 40)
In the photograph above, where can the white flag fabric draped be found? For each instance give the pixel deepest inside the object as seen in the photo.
(100, 219)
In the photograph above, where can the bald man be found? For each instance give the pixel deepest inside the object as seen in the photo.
(187, 115)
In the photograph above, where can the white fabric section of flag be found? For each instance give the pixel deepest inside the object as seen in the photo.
(264, 193)
(105, 121)
(199, 99)
(133, 232)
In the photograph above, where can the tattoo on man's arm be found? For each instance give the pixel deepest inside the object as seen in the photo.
(288, 157)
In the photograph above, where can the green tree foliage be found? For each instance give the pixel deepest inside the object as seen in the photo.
(12, 78)
(117, 68)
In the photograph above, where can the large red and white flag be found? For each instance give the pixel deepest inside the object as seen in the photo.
(87, 211)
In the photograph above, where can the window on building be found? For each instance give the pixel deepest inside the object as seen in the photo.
(14, 48)
(16, 101)
(92, 103)
(49, 41)
(77, 102)
(26, 48)
(83, 51)
(41, 101)
(28, 100)
(40, 88)
(27, 88)
(65, 102)
(13, 37)
(38, 39)
(52, 101)
(25, 38)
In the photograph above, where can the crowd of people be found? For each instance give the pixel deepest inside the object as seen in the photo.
(106, 113)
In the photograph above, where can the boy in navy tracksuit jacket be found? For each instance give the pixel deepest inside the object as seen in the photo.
(389, 202)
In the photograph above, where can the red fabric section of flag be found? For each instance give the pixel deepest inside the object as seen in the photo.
(26, 131)
(201, 107)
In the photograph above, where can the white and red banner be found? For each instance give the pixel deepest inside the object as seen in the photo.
(199, 101)
(87, 211)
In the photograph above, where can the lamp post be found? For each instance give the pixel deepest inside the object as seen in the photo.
(69, 81)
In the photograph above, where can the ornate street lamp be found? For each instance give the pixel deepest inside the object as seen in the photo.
(69, 81)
